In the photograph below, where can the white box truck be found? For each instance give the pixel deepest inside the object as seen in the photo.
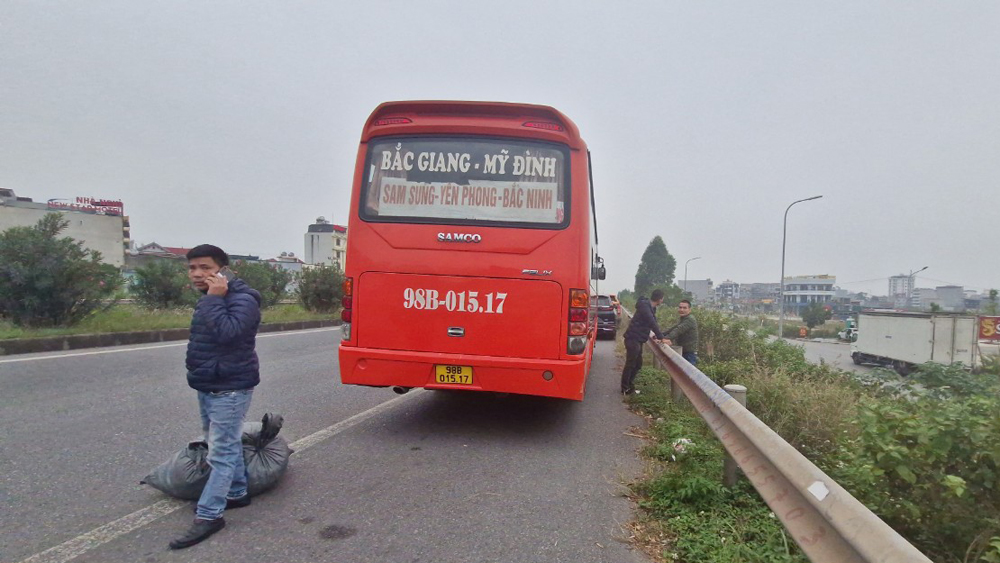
(904, 340)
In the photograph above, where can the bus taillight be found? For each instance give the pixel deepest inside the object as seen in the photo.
(579, 302)
(348, 304)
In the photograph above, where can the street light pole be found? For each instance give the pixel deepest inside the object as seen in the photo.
(909, 285)
(686, 271)
(781, 286)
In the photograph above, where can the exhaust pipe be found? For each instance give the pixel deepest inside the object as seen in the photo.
(400, 390)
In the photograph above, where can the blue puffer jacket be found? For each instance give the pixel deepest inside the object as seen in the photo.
(220, 353)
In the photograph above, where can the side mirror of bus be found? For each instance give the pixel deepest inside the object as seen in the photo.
(602, 272)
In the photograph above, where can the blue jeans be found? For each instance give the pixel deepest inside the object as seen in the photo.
(222, 421)
(691, 357)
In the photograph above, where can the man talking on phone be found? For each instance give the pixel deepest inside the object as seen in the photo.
(222, 366)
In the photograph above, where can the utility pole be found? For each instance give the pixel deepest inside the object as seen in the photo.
(781, 288)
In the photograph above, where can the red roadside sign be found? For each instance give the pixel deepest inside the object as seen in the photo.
(989, 328)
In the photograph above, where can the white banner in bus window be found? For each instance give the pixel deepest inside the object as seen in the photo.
(534, 202)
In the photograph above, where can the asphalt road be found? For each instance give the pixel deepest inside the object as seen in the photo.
(837, 354)
(429, 476)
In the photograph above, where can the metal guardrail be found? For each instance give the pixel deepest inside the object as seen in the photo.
(827, 522)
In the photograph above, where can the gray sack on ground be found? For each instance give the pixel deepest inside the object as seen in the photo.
(264, 452)
(184, 475)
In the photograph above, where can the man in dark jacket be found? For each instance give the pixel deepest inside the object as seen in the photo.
(222, 366)
(685, 333)
(643, 321)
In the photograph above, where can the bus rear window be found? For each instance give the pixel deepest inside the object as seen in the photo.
(462, 181)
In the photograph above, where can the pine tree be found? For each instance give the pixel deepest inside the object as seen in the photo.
(656, 269)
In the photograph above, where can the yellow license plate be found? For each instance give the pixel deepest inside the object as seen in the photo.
(457, 375)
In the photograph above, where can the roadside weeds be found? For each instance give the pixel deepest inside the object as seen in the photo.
(684, 513)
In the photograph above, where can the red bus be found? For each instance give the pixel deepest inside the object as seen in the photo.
(472, 251)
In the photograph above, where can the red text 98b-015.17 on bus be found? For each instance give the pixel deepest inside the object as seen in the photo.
(472, 251)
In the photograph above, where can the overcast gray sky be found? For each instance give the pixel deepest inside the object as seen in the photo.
(237, 123)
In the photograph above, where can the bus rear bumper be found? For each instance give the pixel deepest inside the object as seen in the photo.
(385, 368)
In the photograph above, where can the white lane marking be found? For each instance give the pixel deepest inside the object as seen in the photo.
(82, 544)
(316, 437)
(97, 537)
(182, 343)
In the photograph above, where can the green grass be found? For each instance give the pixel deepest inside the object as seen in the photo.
(126, 318)
(703, 520)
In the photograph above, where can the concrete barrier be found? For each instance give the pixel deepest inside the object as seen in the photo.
(78, 341)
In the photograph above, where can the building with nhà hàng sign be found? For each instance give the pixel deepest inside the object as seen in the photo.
(100, 224)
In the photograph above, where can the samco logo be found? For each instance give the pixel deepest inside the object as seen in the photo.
(459, 237)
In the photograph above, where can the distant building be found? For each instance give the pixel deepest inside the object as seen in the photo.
(901, 286)
(99, 224)
(326, 244)
(701, 290)
(947, 297)
(154, 249)
(800, 291)
(922, 298)
(761, 291)
(287, 261)
(950, 297)
(146, 254)
(760, 296)
(727, 292)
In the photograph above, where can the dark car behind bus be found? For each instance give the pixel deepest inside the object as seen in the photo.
(607, 318)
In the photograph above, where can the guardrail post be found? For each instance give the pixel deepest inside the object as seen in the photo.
(730, 471)
(676, 393)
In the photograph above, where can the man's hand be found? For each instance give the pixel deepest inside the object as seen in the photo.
(217, 285)
(667, 342)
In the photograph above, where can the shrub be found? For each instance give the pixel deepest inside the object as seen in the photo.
(921, 452)
(163, 284)
(269, 280)
(321, 289)
(929, 467)
(46, 280)
(815, 314)
(720, 337)
(806, 405)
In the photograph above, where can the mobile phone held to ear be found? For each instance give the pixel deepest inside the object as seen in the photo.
(226, 273)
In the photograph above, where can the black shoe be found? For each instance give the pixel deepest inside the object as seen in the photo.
(198, 532)
(231, 503)
(238, 502)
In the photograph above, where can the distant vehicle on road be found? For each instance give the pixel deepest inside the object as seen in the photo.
(903, 340)
(607, 318)
(472, 255)
(617, 305)
(850, 332)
